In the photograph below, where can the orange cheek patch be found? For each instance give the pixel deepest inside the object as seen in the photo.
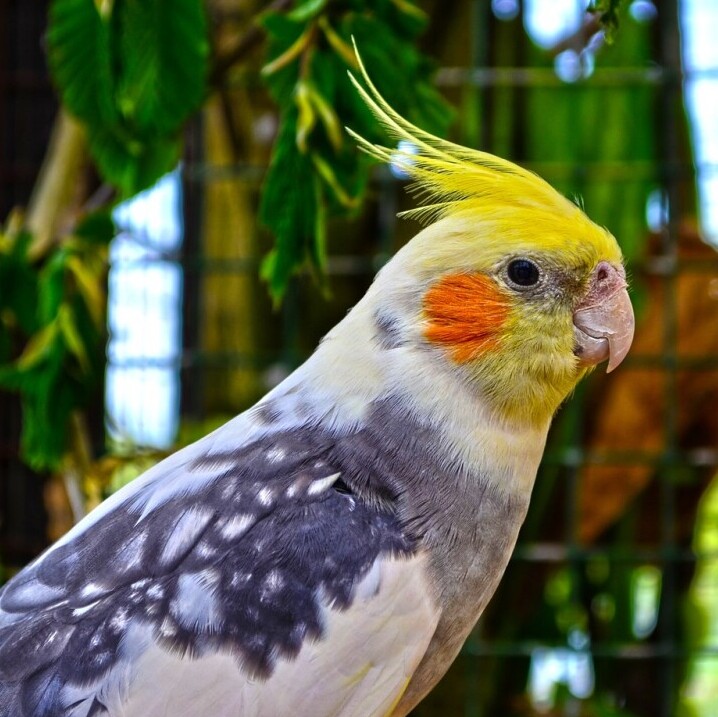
(465, 313)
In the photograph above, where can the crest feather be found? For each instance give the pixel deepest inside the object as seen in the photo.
(448, 177)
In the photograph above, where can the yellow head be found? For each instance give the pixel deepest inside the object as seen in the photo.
(519, 290)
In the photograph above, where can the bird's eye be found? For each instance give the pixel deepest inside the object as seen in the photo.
(523, 272)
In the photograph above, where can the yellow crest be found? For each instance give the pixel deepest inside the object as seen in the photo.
(449, 176)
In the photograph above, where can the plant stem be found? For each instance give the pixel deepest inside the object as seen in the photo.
(54, 199)
(57, 184)
(78, 464)
(243, 46)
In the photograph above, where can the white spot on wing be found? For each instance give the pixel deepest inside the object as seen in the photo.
(274, 581)
(51, 638)
(265, 496)
(214, 464)
(93, 590)
(155, 591)
(80, 611)
(209, 577)
(276, 454)
(231, 490)
(319, 486)
(195, 605)
(205, 550)
(168, 628)
(119, 621)
(184, 533)
(240, 579)
(129, 555)
(236, 526)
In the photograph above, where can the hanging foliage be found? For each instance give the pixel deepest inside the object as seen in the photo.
(316, 170)
(133, 71)
(52, 330)
(607, 12)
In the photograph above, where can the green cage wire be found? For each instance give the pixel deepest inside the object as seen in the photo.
(608, 606)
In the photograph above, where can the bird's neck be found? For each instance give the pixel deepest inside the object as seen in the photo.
(366, 362)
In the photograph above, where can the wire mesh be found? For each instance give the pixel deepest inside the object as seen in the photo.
(567, 633)
(577, 659)
(27, 106)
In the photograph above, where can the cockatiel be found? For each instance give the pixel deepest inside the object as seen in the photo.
(326, 553)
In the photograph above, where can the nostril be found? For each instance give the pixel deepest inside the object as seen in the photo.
(602, 274)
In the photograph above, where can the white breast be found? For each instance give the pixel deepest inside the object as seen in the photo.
(360, 667)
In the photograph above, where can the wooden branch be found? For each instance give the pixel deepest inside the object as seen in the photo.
(54, 201)
(78, 465)
(243, 47)
(57, 183)
(577, 40)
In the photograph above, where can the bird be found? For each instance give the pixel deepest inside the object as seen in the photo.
(327, 552)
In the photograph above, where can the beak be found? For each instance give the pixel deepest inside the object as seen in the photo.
(603, 321)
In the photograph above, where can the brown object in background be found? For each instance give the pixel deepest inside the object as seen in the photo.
(632, 416)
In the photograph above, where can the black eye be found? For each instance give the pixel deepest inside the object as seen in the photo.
(523, 272)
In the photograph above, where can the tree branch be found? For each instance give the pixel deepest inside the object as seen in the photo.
(243, 47)
(57, 182)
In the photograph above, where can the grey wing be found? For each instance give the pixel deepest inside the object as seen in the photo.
(218, 552)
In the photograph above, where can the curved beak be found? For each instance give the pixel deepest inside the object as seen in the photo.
(603, 321)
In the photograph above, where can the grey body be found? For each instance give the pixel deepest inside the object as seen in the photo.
(396, 493)
(327, 552)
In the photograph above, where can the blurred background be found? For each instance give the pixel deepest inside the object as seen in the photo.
(153, 283)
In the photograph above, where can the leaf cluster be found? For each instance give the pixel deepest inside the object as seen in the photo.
(316, 171)
(52, 319)
(608, 16)
(132, 71)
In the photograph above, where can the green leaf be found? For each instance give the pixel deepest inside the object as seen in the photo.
(5, 344)
(283, 34)
(288, 208)
(49, 399)
(309, 54)
(18, 286)
(51, 287)
(327, 173)
(96, 228)
(163, 49)
(283, 31)
(12, 378)
(328, 118)
(90, 286)
(405, 18)
(290, 55)
(40, 347)
(71, 337)
(400, 72)
(133, 74)
(132, 165)
(80, 59)
(20, 245)
(50, 386)
(306, 10)
(318, 247)
(55, 312)
(306, 116)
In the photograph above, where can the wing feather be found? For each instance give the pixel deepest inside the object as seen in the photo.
(236, 559)
(359, 669)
